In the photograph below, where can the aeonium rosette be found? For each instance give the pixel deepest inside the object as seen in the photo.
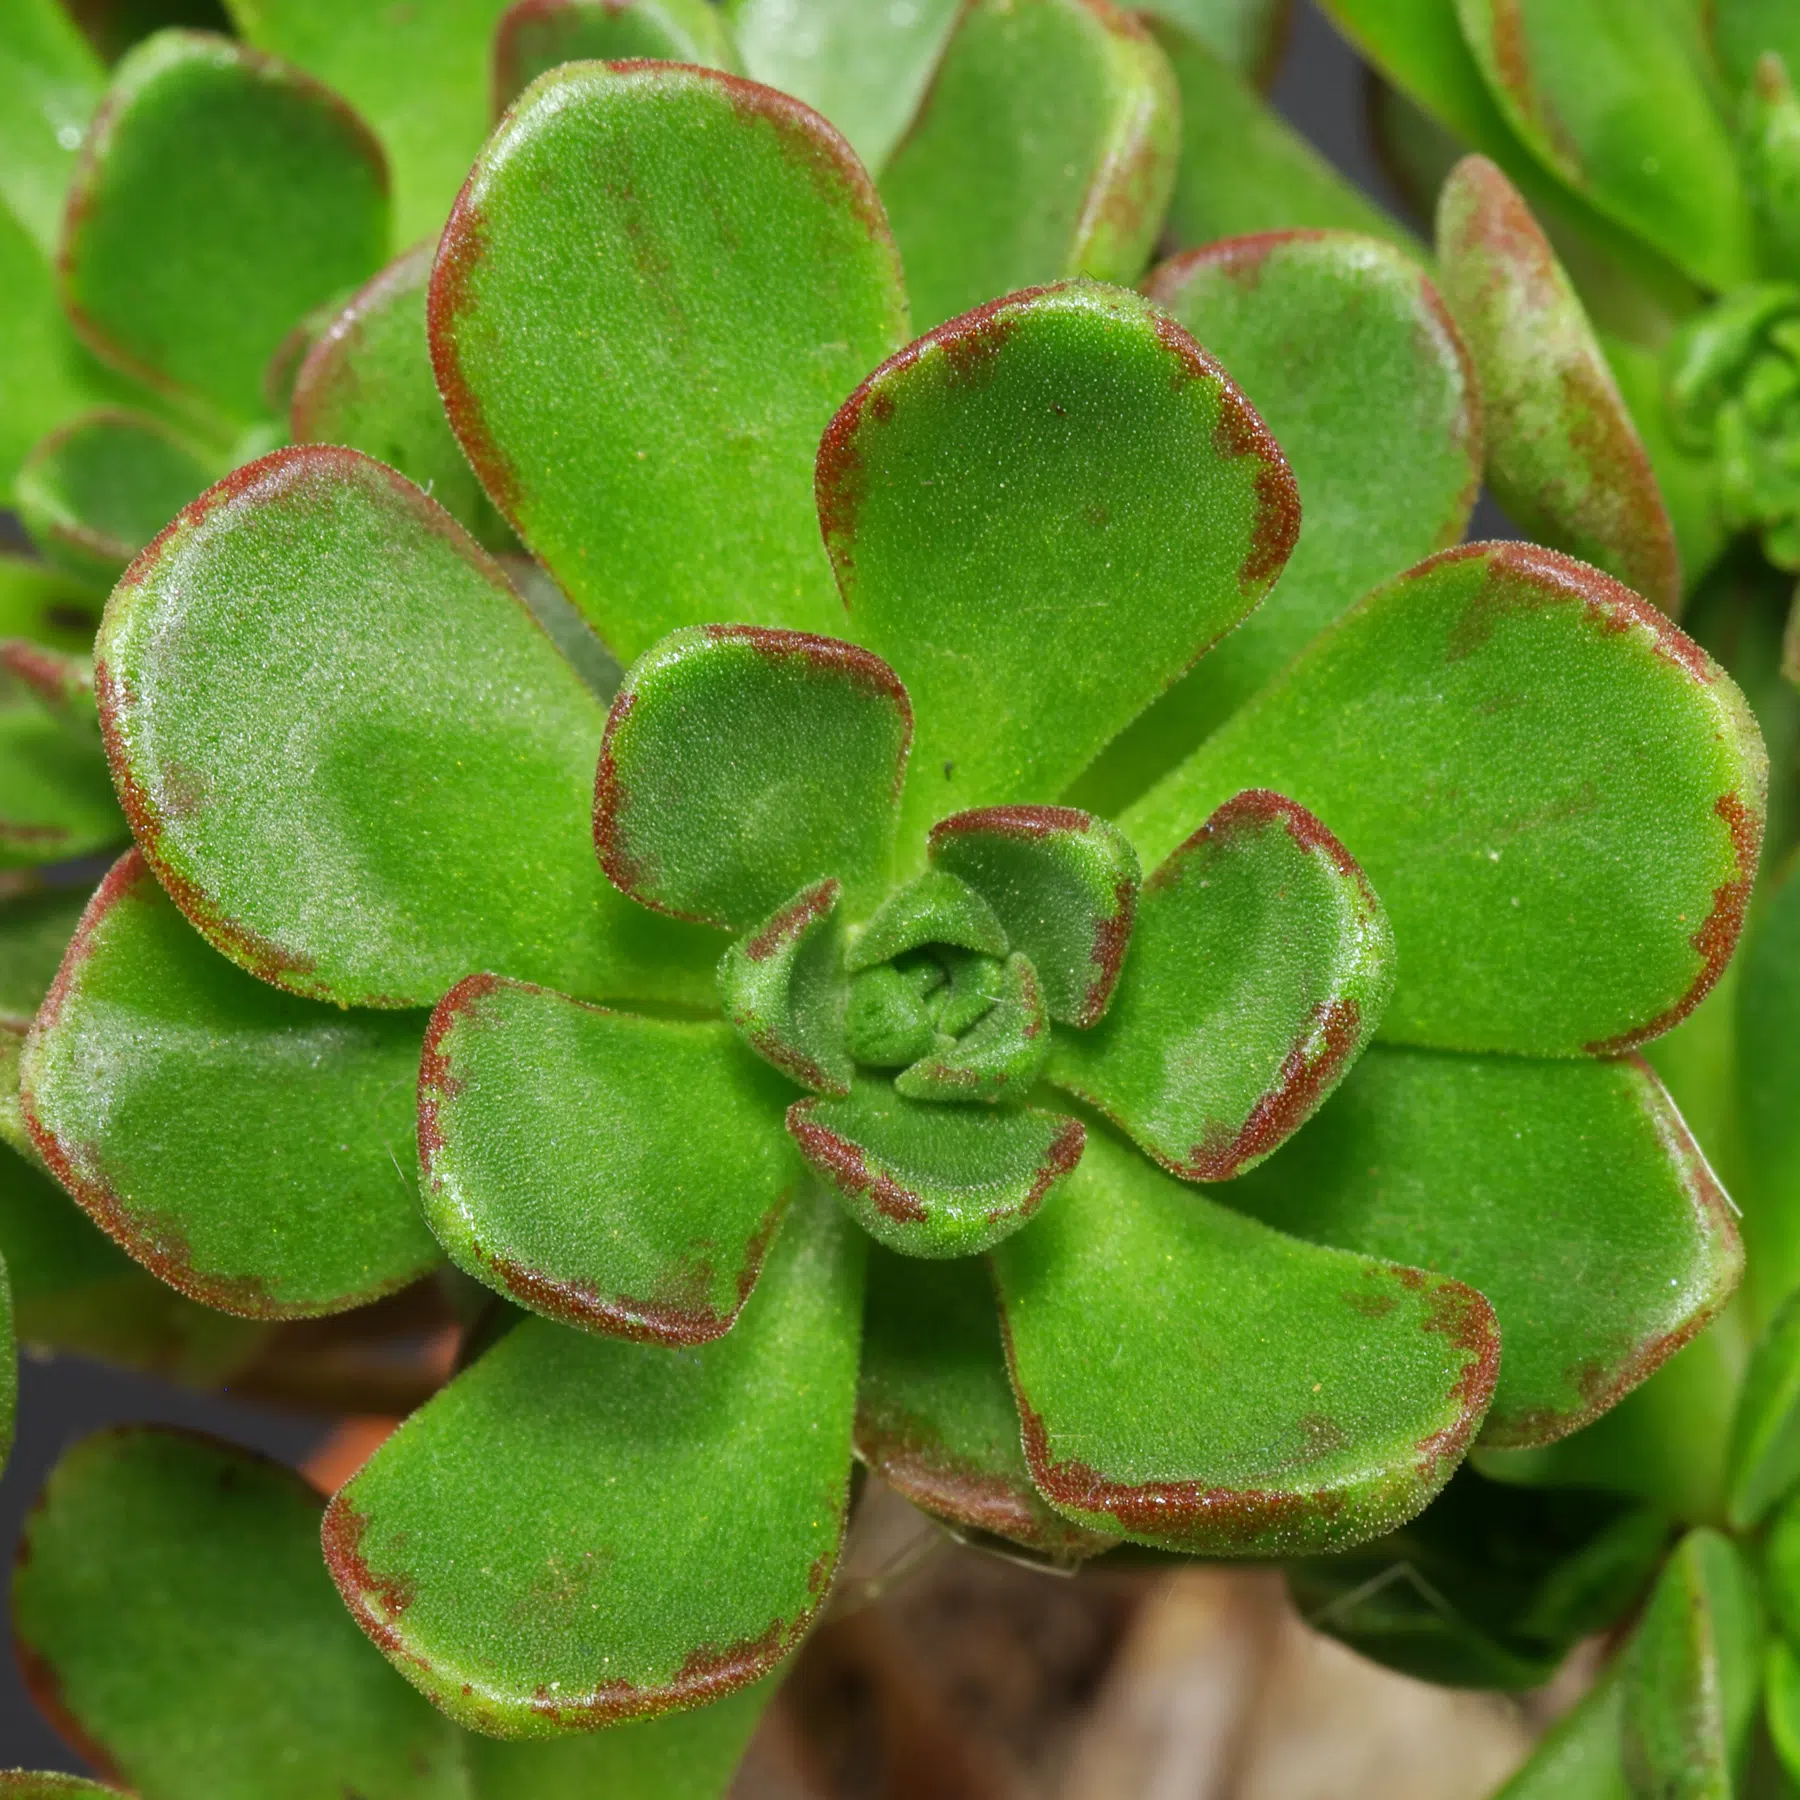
(808, 927)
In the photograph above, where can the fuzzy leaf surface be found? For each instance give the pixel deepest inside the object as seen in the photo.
(579, 1531)
(1558, 796)
(934, 1180)
(935, 1416)
(1569, 1193)
(97, 490)
(172, 1608)
(26, 1784)
(740, 763)
(1564, 457)
(654, 291)
(619, 1174)
(866, 69)
(1041, 514)
(250, 1148)
(1611, 96)
(1045, 147)
(1338, 341)
(423, 809)
(782, 990)
(1692, 1674)
(367, 382)
(535, 36)
(1259, 1395)
(1259, 969)
(418, 74)
(220, 196)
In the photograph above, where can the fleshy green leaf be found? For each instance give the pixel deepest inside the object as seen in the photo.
(45, 606)
(25, 1784)
(1339, 342)
(933, 1180)
(1580, 1757)
(1692, 1674)
(97, 490)
(1558, 796)
(536, 36)
(1781, 1703)
(1258, 1394)
(1765, 1434)
(781, 989)
(367, 382)
(620, 1174)
(936, 907)
(1247, 35)
(423, 810)
(50, 83)
(1770, 148)
(1491, 1586)
(35, 929)
(1564, 457)
(171, 1609)
(1609, 95)
(1259, 969)
(689, 1756)
(250, 1148)
(1041, 514)
(1064, 885)
(1767, 1077)
(418, 73)
(740, 763)
(865, 68)
(1744, 29)
(935, 1417)
(997, 1059)
(1045, 147)
(55, 799)
(579, 1530)
(220, 195)
(1569, 1193)
(1243, 168)
(654, 290)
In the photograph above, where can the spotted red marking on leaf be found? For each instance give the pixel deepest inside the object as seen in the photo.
(324, 371)
(1238, 259)
(1512, 61)
(376, 1601)
(793, 919)
(437, 1083)
(1719, 931)
(843, 1163)
(1252, 810)
(913, 1460)
(863, 671)
(1466, 1318)
(1029, 822)
(45, 1687)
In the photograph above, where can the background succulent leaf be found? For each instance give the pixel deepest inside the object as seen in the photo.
(1046, 146)
(1569, 1193)
(1580, 1757)
(46, 606)
(35, 928)
(1692, 1674)
(433, 774)
(740, 763)
(1557, 795)
(55, 799)
(535, 36)
(935, 1416)
(174, 1615)
(1742, 30)
(1765, 1431)
(934, 1180)
(1767, 1069)
(1563, 456)
(1247, 35)
(418, 74)
(653, 292)
(1278, 180)
(219, 196)
(1612, 98)
(50, 83)
(1338, 342)
(865, 69)
(95, 491)
(1064, 886)
(250, 1148)
(1491, 1586)
(1041, 514)
(619, 1174)
(367, 382)
(1261, 1394)
(1258, 970)
(1769, 147)
(578, 1530)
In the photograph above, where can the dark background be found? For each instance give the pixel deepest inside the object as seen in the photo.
(1319, 88)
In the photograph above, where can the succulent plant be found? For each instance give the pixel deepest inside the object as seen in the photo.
(847, 814)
